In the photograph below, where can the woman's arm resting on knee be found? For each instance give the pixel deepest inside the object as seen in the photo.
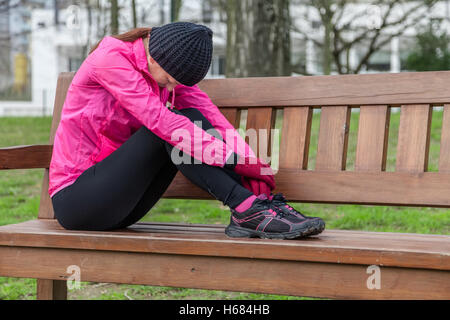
(194, 97)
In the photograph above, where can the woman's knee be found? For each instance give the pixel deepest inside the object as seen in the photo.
(192, 112)
(75, 211)
(70, 221)
(65, 217)
(195, 115)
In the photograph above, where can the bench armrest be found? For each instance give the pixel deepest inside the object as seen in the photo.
(25, 157)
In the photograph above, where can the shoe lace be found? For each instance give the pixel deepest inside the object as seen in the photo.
(273, 208)
(280, 198)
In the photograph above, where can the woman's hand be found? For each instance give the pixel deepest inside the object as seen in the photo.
(257, 187)
(256, 169)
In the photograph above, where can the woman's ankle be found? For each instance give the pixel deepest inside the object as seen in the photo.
(246, 204)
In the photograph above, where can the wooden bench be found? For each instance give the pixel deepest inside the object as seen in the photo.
(333, 264)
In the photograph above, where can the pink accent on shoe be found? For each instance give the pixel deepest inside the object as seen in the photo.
(248, 218)
(247, 203)
(264, 229)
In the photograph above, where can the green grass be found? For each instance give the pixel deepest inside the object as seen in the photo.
(20, 193)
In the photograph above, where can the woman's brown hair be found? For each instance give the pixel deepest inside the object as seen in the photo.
(129, 36)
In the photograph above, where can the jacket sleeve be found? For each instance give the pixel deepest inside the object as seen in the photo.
(116, 73)
(194, 97)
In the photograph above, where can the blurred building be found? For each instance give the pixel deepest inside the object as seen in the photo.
(42, 38)
(5, 45)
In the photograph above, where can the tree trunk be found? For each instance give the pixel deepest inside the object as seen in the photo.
(258, 38)
(114, 17)
(87, 46)
(175, 7)
(327, 45)
(133, 10)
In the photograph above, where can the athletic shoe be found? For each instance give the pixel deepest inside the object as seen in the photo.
(264, 220)
(280, 202)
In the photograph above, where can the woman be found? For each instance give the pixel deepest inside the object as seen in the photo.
(117, 147)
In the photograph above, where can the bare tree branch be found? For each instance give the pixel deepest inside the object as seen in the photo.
(7, 5)
(306, 35)
(342, 45)
(374, 47)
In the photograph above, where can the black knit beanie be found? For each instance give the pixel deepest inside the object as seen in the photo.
(183, 50)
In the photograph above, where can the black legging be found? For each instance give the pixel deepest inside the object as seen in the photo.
(119, 190)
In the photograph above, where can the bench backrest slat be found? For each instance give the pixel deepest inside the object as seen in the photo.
(444, 156)
(319, 91)
(62, 87)
(261, 118)
(333, 139)
(233, 116)
(372, 143)
(414, 138)
(294, 151)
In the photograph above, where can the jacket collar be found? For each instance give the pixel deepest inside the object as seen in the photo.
(141, 58)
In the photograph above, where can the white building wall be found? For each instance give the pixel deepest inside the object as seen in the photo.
(395, 55)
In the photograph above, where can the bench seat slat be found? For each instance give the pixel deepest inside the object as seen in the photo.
(167, 227)
(386, 249)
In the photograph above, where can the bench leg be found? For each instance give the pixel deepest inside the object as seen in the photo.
(51, 289)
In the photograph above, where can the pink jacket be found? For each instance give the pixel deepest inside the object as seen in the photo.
(111, 96)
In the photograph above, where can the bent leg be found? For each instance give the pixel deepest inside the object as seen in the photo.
(223, 184)
(105, 194)
(151, 196)
(123, 187)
